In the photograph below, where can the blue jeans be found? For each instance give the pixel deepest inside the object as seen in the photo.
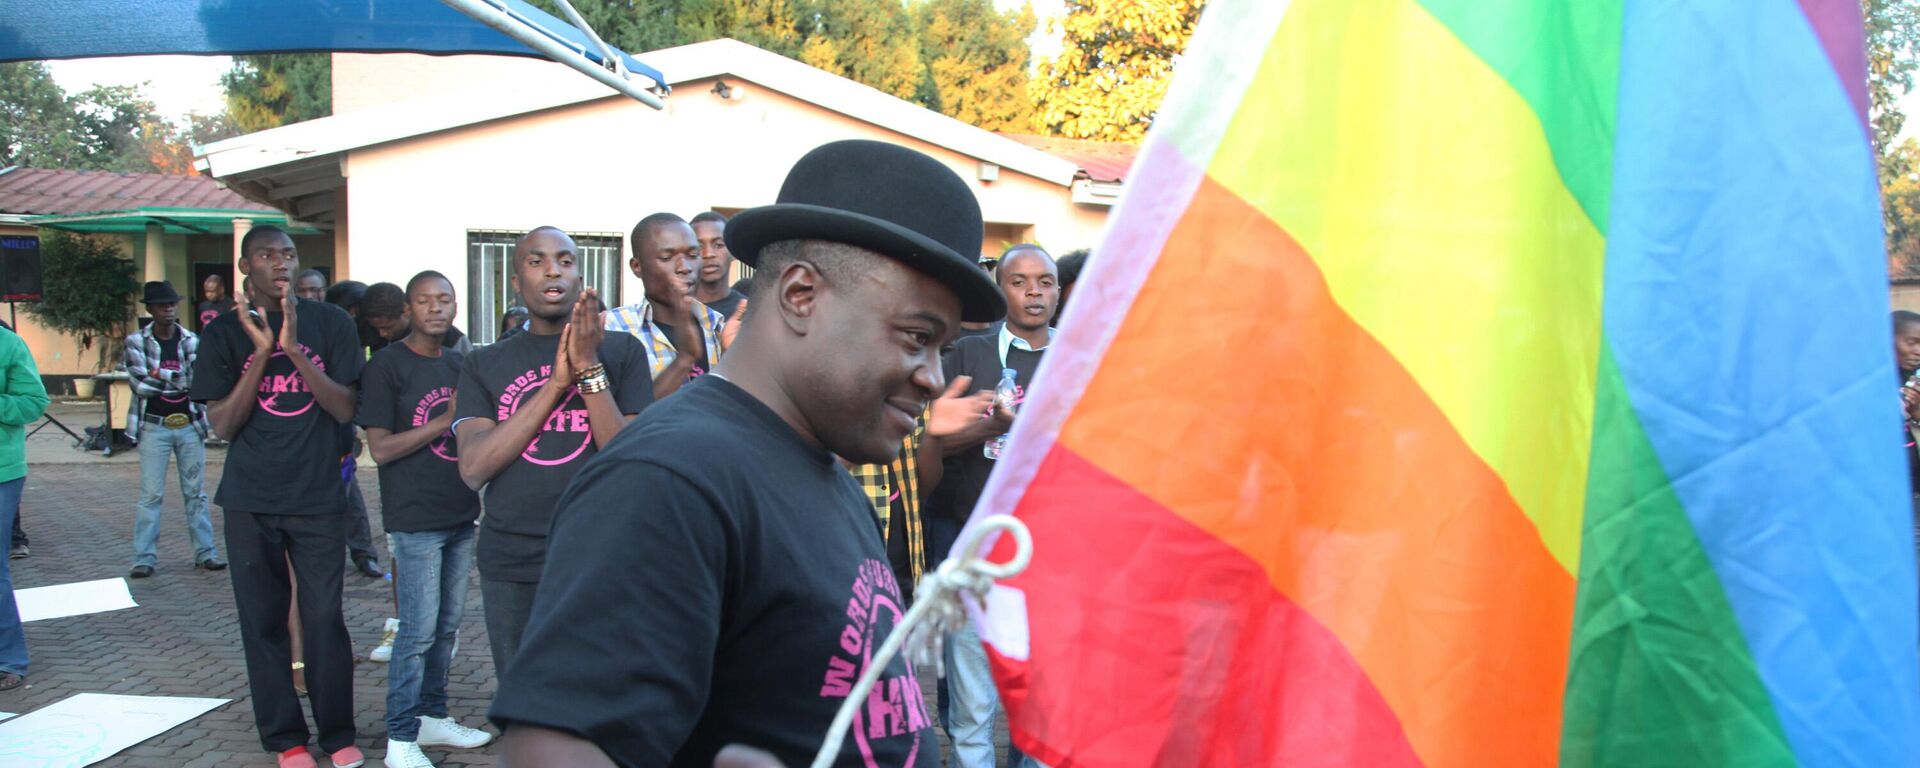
(13, 638)
(430, 584)
(974, 704)
(189, 455)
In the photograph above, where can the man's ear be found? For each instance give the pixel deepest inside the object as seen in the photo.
(798, 291)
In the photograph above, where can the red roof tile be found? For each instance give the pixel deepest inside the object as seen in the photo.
(1104, 161)
(42, 191)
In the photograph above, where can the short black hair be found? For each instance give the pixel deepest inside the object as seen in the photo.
(1903, 318)
(744, 285)
(1009, 253)
(521, 240)
(706, 216)
(427, 275)
(313, 272)
(346, 294)
(383, 300)
(647, 224)
(1071, 264)
(246, 240)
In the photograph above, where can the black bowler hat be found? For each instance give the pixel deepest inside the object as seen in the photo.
(159, 292)
(888, 199)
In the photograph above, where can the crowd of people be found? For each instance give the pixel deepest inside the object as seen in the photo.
(693, 516)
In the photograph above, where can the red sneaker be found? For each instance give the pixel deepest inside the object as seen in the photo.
(348, 757)
(297, 758)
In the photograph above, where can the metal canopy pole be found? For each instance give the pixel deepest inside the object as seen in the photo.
(566, 53)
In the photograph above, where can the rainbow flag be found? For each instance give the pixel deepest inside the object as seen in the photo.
(1477, 383)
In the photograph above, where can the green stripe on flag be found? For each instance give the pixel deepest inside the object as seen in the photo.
(1563, 56)
(1659, 672)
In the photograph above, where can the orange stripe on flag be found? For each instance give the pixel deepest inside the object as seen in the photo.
(1240, 396)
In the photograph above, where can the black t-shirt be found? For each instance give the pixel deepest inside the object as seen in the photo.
(422, 491)
(286, 458)
(700, 366)
(519, 501)
(739, 569)
(212, 309)
(965, 475)
(168, 405)
(727, 304)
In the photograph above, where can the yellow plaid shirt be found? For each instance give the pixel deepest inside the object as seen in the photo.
(902, 477)
(637, 319)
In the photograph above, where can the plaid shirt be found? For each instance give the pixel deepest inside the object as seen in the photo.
(902, 477)
(637, 319)
(151, 381)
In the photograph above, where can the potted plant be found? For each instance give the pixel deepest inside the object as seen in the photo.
(86, 287)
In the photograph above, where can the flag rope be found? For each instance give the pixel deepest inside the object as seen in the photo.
(937, 611)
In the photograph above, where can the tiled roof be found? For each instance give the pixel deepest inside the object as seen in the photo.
(1103, 161)
(30, 191)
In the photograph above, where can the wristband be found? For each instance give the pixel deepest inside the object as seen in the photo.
(595, 383)
(598, 369)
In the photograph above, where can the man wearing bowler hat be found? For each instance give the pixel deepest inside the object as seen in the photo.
(715, 576)
(166, 423)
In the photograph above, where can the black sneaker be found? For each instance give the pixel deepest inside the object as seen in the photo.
(211, 564)
(141, 571)
(19, 551)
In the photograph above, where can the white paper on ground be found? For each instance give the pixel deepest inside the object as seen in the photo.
(86, 728)
(62, 600)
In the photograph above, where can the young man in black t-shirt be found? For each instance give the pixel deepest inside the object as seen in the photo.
(532, 410)
(716, 265)
(1029, 280)
(406, 407)
(279, 375)
(716, 575)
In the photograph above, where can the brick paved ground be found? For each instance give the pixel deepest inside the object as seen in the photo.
(183, 640)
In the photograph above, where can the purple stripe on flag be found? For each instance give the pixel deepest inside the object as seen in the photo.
(1842, 33)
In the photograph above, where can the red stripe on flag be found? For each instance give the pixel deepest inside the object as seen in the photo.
(1154, 643)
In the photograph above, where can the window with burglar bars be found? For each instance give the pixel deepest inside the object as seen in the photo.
(490, 262)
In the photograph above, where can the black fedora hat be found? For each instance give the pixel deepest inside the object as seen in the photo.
(159, 292)
(888, 199)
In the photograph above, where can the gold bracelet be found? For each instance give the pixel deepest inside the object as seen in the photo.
(595, 383)
(598, 369)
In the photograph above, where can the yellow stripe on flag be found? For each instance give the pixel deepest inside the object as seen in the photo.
(1423, 186)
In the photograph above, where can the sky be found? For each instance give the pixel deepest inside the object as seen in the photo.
(178, 85)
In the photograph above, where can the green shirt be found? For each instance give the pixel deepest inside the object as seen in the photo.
(23, 399)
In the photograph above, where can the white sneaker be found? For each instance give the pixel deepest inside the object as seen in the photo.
(444, 732)
(384, 652)
(406, 754)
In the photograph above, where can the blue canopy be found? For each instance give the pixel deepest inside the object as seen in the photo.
(65, 29)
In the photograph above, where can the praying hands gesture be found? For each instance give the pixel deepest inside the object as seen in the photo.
(289, 335)
(732, 327)
(254, 325)
(585, 330)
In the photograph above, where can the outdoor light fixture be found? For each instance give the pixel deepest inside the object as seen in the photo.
(989, 172)
(727, 92)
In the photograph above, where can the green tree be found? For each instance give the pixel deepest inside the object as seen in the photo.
(87, 290)
(870, 41)
(270, 90)
(100, 129)
(1893, 53)
(1113, 69)
(976, 58)
(1900, 195)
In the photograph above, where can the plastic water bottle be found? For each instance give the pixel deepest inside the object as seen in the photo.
(1003, 395)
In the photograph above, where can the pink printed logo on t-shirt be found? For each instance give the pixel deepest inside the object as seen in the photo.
(895, 708)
